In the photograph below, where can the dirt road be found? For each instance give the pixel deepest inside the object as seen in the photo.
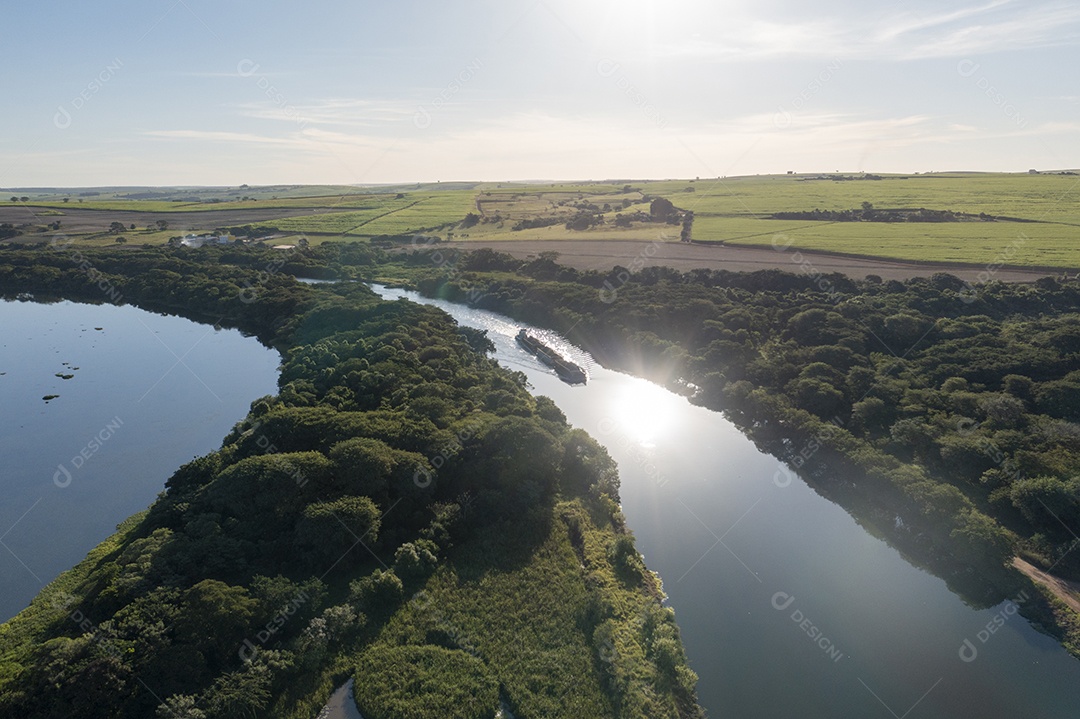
(341, 704)
(1063, 589)
(605, 254)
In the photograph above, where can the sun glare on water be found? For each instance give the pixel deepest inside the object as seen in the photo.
(644, 413)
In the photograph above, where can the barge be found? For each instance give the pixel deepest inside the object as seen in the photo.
(567, 370)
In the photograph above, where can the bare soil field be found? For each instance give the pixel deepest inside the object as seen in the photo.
(603, 255)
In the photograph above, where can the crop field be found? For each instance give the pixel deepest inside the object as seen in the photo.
(422, 212)
(1037, 215)
(1034, 197)
(332, 223)
(340, 223)
(1023, 244)
(735, 212)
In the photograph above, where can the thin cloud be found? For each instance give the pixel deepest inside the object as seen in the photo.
(219, 136)
(580, 146)
(341, 112)
(992, 27)
(308, 140)
(1039, 27)
(898, 28)
(1056, 128)
(529, 135)
(234, 74)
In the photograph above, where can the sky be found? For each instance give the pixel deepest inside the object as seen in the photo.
(195, 92)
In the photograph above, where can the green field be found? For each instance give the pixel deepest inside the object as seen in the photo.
(1035, 197)
(732, 210)
(424, 212)
(389, 215)
(1022, 244)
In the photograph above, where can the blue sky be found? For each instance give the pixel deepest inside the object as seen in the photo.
(195, 92)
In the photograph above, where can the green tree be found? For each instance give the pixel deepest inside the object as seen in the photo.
(979, 538)
(180, 706)
(339, 530)
(1047, 501)
(819, 397)
(242, 693)
(873, 414)
(377, 594)
(902, 331)
(363, 466)
(216, 617)
(1060, 398)
(414, 561)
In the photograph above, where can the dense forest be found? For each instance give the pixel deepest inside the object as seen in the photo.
(947, 415)
(403, 512)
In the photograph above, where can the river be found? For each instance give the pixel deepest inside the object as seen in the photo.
(143, 394)
(787, 606)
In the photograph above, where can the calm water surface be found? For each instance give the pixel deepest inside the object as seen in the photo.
(788, 608)
(150, 392)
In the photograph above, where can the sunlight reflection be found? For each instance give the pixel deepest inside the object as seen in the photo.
(644, 413)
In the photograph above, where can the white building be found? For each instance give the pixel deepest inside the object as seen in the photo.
(193, 240)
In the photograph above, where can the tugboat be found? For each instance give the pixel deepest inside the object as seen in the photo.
(567, 370)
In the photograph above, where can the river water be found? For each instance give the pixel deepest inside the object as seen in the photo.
(787, 606)
(146, 393)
